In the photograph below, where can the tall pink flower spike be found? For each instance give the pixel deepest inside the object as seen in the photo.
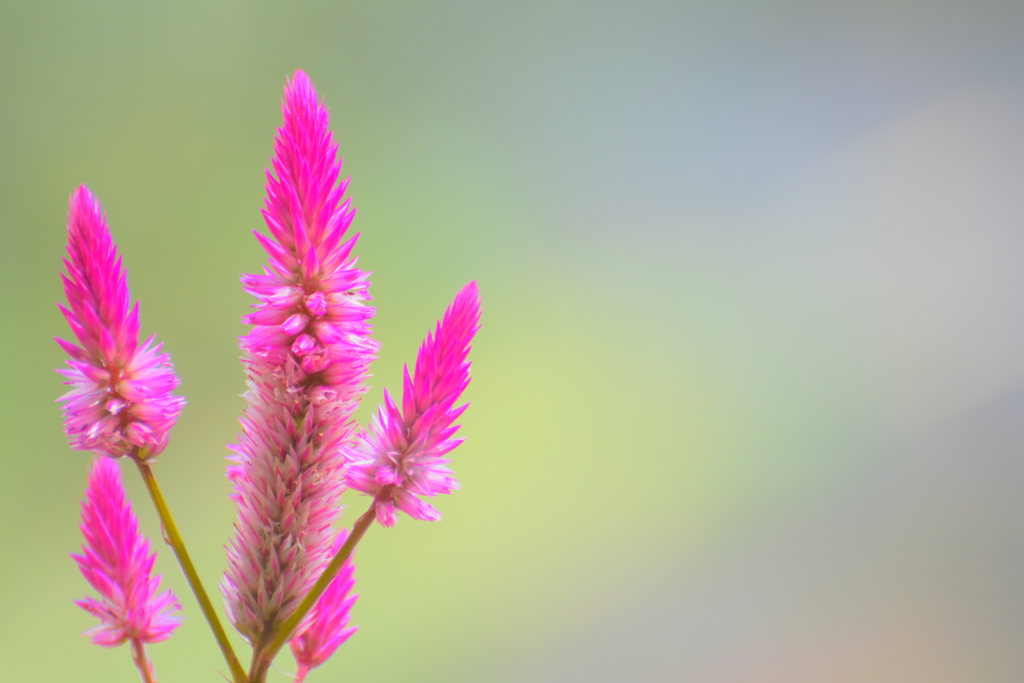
(402, 456)
(116, 561)
(328, 620)
(121, 400)
(306, 362)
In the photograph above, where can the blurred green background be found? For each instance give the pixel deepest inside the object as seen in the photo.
(747, 398)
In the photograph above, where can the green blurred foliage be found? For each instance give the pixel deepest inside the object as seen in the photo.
(662, 355)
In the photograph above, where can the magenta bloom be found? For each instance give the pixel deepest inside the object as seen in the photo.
(306, 362)
(116, 561)
(328, 620)
(121, 401)
(403, 455)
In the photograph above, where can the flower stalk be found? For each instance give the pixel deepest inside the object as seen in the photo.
(142, 662)
(173, 538)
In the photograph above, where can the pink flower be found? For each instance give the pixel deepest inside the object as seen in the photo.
(328, 620)
(306, 361)
(121, 400)
(115, 560)
(403, 454)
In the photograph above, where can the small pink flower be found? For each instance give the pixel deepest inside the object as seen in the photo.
(121, 400)
(116, 561)
(306, 360)
(328, 620)
(403, 455)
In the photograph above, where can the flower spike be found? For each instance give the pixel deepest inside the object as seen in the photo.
(116, 561)
(306, 360)
(328, 620)
(403, 454)
(121, 401)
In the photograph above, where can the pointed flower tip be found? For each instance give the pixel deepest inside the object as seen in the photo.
(299, 80)
(467, 304)
(471, 290)
(299, 92)
(116, 561)
(83, 202)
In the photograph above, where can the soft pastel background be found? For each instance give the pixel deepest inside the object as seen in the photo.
(748, 397)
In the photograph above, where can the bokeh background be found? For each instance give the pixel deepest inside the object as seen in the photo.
(747, 399)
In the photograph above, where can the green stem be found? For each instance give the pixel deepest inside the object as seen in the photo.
(264, 655)
(174, 539)
(142, 661)
(259, 668)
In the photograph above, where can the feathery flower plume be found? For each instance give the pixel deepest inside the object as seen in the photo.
(402, 456)
(306, 362)
(116, 561)
(121, 400)
(328, 620)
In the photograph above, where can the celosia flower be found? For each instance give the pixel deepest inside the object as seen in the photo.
(402, 456)
(116, 561)
(121, 401)
(306, 362)
(328, 621)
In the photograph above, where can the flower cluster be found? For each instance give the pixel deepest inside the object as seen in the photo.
(290, 575)
(116, 561)
(403, 454)
(121, 402)
(306, 359)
